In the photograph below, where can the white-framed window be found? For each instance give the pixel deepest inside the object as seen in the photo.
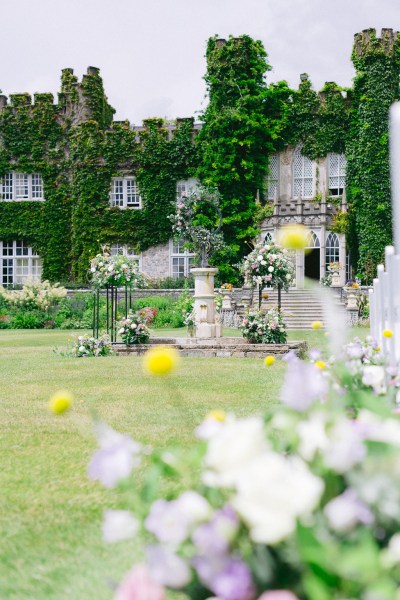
(128, 251)
(313, 240)
(273, 177)
(125, 193)
(21, 186)
(181, 259)
(184, 188)
(18, 263)
(331, 249)
(303, 175)
(336, 174)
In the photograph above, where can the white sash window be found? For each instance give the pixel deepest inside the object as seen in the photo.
(125, 193)
(21, 186)
(303, 175)
(18, 263)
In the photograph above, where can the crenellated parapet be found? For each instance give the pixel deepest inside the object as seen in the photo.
(367, 44)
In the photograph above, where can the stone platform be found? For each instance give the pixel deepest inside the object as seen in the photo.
(220, 347)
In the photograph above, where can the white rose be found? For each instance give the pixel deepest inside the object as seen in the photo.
(288, 277)
(232, 448)
(118, 525)
(110, 268)
(272, 492)
(133, 326)
(124, 266)
(81, 348)
(263, 262)
(193, 507)
(121, 330)
(93, 269)
(260, 258)
(271, 269)
(100, 264)
(374, 376)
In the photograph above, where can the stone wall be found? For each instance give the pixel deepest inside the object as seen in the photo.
(156, 261)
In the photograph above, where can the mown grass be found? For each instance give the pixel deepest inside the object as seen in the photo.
(50, 514)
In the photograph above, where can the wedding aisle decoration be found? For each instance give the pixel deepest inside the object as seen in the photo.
(299, 504)
(86, 345)
(115, 270)
(269, 264)
(134, 328)
(264, 327)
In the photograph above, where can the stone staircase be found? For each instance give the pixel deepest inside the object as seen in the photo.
(302, 307)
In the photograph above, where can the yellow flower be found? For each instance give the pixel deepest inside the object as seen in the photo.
(294, 237)
(317, 325)
(217, 415)
(161, 361)
(377, 349)
(387, 333)
(269, 361)
(60, 402)
(320, 364)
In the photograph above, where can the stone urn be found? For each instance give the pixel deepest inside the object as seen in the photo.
(206, 325)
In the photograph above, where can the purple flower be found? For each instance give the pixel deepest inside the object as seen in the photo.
(229, 578)
(346, 510)
(167, 568)
(215, 536)
(304, 384)
(117, 456)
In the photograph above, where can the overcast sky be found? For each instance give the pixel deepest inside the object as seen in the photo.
(151, 52)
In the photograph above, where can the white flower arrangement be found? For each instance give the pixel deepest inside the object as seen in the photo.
(134, 328)
(269, 264)
(85, 346)
(264, 327)
(115, 270)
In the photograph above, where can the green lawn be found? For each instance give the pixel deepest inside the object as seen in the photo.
(50, 514)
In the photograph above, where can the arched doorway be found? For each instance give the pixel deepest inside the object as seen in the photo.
(312, 259)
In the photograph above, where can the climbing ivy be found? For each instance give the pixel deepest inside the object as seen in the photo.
(376, 86)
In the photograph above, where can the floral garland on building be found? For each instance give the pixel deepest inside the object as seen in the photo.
(269, 264)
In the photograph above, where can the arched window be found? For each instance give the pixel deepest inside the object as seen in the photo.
(268, 238)
(332, 249)
(313, 240)
(303, 175)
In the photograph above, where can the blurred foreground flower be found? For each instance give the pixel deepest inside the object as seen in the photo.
(60, 402)
(317, 325)
(139, 585)
(161, 361)
(269, 361)
(294, 237)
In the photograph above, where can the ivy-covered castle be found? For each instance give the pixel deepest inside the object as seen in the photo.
(74, 180)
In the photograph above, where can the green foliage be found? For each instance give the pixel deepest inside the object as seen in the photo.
(376, 86)
(236, 138)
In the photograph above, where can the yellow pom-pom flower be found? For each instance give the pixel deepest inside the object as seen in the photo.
(161, 361)
(217, 415)
(387, 333)
(269, 361)
(317, 325)
(294, 237)
(60, 402)
(320, 364)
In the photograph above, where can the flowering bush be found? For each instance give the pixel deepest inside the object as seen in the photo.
(300, 504)
(227, 286)
(106, 270)
(134, 329)
(269, 264)
(326, 280)
(264, 327)
(90, 346)
(35, 294)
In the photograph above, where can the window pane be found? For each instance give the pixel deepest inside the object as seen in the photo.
(132, 194)
(7, 186)
(178, 248)
(178, 267)
(117, 192)
(117, 249)
(21, 249)
(36, 269)
(37, 186)
(7, 271)
(7, 248)
(21, 186)
(273, 176)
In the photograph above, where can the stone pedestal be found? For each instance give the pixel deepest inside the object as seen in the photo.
(204, 304)
(226, 299)
(336, 281)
